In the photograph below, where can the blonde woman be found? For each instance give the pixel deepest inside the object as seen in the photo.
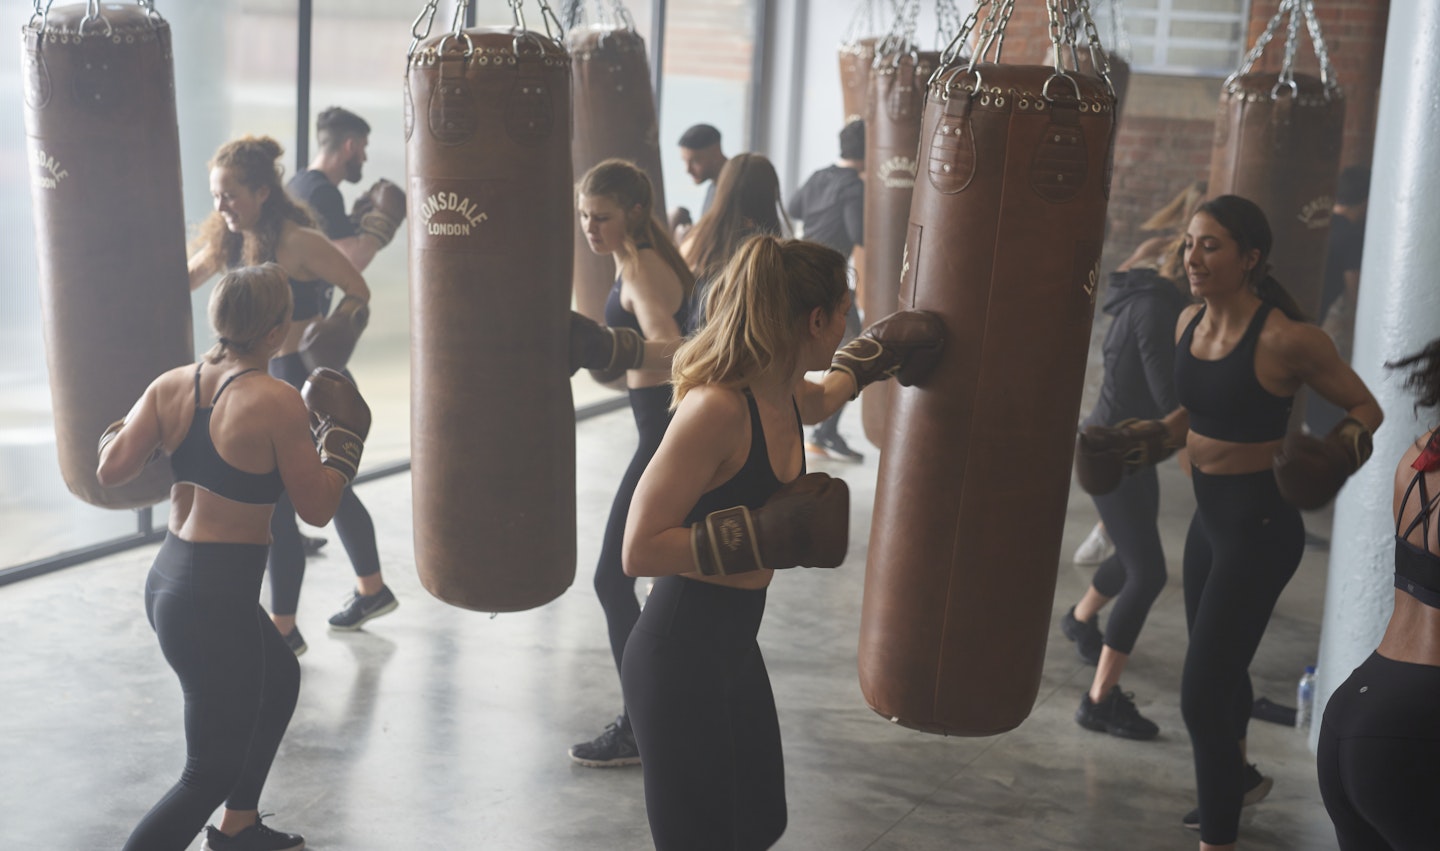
(237, 439)
(723, 504)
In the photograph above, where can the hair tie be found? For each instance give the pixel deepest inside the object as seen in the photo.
(224, 341)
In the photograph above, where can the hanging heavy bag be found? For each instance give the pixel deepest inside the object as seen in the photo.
(487, 124)
(1006, 227)
(104, 164)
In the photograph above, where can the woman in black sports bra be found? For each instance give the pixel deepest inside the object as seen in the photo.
(255, 221)
(1379, 753)
(724, 503)
(237, 439)
(651, 296)
(1240, 357)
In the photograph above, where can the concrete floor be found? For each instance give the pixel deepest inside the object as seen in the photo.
(442, 728)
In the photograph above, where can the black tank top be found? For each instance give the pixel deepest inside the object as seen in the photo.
(312, 299)
(1417, 570)
(197, 462)
(755, 482)
(1224, 398)
(616, 316)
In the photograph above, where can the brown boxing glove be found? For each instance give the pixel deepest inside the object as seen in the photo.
(331, 341)
(339, 419)
(804, 524)
(1103, 454)
(379, 211)
(1310, 471)
(905, 344)
(607, 352)
(113, 431)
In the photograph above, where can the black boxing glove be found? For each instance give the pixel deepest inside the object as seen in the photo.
(1310, 471)
(804, 524)
(906, 344)
(607, 352)
(339, 420)
(331, 341)
(379, 211)
(1103, 454)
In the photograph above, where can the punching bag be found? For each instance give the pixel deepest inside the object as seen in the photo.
(893, 105)
(487, 127)
(1278, 137)
(1006, 226)
(614, 117)
(104, 163)
(856, 57)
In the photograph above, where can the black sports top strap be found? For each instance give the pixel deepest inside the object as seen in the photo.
(1427, 505)
(198, 367)
(222, 386)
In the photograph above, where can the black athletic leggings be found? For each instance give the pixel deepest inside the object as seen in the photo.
(1135, 574)
(1244, 544)
(704, 719)
(287, 550)
(1379, 757)
(651, 407)
(240, 683)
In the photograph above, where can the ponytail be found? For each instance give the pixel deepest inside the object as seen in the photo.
(1271, 292)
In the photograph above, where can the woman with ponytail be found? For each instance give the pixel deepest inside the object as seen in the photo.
(651, 299)
(256, 222)
(1379, 751)
(237, 439)
(1241, 356)
(723, 504)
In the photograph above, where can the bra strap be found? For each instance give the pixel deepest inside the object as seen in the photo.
(222, 386)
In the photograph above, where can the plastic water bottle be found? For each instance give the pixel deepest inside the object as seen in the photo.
(1305, 700)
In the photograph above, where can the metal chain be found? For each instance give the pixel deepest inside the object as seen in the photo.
(948, 20)
(417, 35)
(1292, 35)
(1098, 55)
(1259, 49)
(952, 51)
(900, 38)
(1322, 53)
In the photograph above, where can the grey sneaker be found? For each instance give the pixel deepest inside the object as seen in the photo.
(611, 749)
(361, 608)
(1257, 786)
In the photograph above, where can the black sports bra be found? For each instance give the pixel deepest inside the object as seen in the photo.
(1224, 398)
(755, 482)
(312, 299)
(197, 462)
(1417, 570)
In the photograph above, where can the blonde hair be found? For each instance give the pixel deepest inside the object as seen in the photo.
(768, 288)
(254, 161)
(747, 201)
(248, 303)
(1176, 215)
(629, 187)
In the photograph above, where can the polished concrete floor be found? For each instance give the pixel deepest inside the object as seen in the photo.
(442, 728)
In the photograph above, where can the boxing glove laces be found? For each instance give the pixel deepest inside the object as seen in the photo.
(339, 420)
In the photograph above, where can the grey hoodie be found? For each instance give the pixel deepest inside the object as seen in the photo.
(1139, 348)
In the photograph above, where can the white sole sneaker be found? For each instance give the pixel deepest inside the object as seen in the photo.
(1095, 548)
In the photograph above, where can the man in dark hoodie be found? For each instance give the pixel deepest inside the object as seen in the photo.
(1139, 383)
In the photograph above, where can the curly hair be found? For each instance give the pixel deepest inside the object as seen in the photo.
(255, 161)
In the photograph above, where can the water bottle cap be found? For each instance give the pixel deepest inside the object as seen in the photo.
(1309, 669)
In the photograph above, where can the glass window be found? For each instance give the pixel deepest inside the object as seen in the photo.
(1190, 37)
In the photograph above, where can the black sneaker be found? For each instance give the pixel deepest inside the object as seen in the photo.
(361, 608)
(1086, 635)
(313, 546)
(611, 749)
(835, 445)
(256, 837)
(1116, 715)
(296, 642)
(1257, 786)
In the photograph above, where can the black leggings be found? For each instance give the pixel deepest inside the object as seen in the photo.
(651, 407)
(239, 679)
(704, 719)
(287, 550)
(1244, 545)
(1379, 757)
(1135, 574)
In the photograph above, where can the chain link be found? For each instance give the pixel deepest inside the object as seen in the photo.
(900, 37)
(1099, 57)
(1296, 9)
(1322, 53)
(948, 20)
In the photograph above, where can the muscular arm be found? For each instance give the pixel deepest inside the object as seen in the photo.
(321, 259)
(655, 295)
(359, 249)
(818, 400)
(1310, 355)
(201, 267)
(314, 488)
(708, 430)
(125, 457)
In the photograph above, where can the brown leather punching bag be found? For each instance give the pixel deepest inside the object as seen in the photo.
(104, 163)
(856, 58)
(1006, 226)
(614, 117)
(1280, 147)
(893, 105)
(487, 122)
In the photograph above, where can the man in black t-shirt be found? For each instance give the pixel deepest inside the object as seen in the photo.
(703, 158)
(832, 206)
(1341, 288)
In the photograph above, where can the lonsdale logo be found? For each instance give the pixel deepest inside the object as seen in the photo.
(897, 173)
(731, 533)
(1316, 213)
(51, 166)
(453, 203)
